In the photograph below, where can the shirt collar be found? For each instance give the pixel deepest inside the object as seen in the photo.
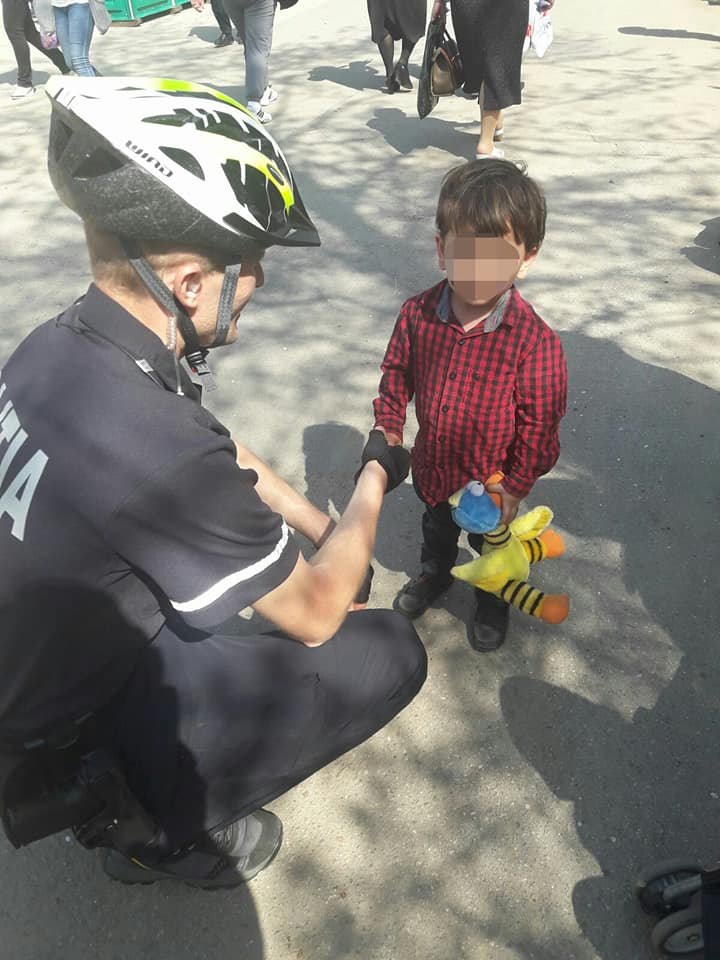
(443, 310)
(112, 322)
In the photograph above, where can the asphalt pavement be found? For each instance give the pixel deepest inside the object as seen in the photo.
(505, 813)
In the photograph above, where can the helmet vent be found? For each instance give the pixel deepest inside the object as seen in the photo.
(185, 160)
(60, 134)
(97, 164)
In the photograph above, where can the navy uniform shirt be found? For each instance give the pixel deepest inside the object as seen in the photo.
(121, 505)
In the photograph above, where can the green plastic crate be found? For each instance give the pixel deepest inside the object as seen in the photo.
(134, 11)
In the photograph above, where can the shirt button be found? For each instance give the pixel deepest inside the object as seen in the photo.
(452, 376)
(445, 408)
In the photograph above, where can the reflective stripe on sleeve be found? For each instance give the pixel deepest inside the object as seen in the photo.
(214, 592)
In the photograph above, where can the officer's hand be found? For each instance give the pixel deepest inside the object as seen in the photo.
(394, 460)
(363, 594)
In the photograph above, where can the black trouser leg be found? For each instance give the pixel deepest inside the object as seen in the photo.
(212, 727)
(223, 20)
(440, 539)
(55, 55)
(14, 14)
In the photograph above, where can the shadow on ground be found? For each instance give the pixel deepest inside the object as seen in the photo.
(706, 251)
(58, 903)
(674, 34)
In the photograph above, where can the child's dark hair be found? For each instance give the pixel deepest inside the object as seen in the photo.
(489, 197)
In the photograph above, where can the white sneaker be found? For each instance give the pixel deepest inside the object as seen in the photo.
(254, 106)
(269, 96)
(19, 93)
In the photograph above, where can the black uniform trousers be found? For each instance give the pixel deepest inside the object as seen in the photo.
(210, 728)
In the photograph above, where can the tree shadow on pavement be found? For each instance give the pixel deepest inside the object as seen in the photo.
(207, 34)
(56, 902)
(332, 455)
(357, 75)
(644, 781)
(706, 252)
(406, 133)
(678, 34)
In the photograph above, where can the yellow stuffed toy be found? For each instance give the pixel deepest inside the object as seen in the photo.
(504, 563)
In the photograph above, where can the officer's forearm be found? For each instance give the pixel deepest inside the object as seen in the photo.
(298, 512)
(313, 602)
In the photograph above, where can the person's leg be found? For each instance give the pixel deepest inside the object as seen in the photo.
(489, 120)
(223, 21)
(259, 20)
(14, 14)
(492, 614)
(209, 731)
(437, 556)
(440, 539)
(386, 46)
(74, 27)
(504, 30)
(54, 55)
(401, 72)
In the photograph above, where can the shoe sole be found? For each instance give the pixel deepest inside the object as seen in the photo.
(130, 873)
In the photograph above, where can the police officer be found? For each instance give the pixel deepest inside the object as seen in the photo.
(132, 525)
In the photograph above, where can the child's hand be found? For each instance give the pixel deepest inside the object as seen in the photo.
(509, 503)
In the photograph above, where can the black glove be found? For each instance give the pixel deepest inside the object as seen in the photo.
(363, 594)
(395, 461)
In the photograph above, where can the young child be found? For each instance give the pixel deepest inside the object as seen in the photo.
(487, 375)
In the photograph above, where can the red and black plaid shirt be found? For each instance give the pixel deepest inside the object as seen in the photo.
(486, 400)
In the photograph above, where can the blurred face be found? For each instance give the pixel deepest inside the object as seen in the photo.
(482, 268)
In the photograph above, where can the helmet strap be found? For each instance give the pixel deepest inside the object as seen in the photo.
(225, 304)
(194, 354)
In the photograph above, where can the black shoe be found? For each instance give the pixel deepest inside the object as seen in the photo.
(224, 40)
(402, 76)
(490, 623)
(417, 594)
(391, 84)
(226, 859)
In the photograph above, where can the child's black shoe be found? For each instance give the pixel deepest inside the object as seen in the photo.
(490, 623)
(418, 593)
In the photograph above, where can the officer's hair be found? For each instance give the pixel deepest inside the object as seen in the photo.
(109, 263)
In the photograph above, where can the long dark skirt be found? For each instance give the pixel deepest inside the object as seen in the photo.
(490, 35)
(402, 19)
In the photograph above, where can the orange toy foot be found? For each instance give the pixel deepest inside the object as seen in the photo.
(554, 607)
(554, 545)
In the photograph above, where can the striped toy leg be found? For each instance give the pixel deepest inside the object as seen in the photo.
(548, 545)
(552, 608)
(499, 537)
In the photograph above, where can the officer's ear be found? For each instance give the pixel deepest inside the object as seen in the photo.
(188, 284)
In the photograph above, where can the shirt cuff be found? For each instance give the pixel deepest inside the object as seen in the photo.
(516, 487)
(390, 425)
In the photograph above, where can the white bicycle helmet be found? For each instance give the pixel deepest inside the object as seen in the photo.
(173, 161)
(154, 159)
